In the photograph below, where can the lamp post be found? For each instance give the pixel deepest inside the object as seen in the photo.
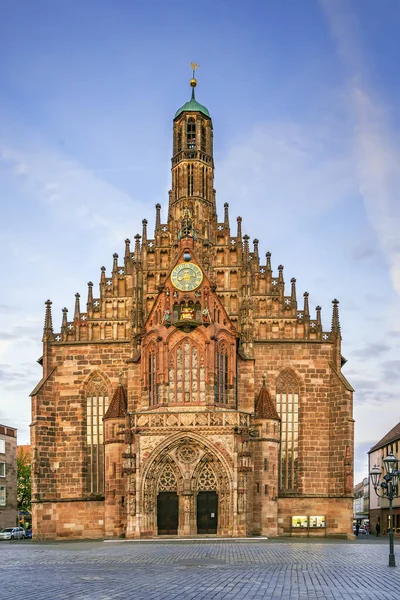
(388, 489)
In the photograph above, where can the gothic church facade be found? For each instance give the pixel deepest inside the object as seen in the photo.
(193, 395)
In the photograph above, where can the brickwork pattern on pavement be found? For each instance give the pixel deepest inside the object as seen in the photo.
(212, 570)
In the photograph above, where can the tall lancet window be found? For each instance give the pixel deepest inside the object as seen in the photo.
(222, 379)
(287, 405)
(191, 134)
(152, 377)
(179, 140)
(190, 180)
(96, 407)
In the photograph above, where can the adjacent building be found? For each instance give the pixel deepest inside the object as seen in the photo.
(195, 393)
(361, 501)
(8, 476)
(379, 507)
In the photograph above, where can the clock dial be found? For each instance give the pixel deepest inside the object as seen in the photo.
(186, 277)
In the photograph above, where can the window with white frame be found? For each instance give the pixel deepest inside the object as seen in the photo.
(2, 446)
(2, 469)
(3, 496)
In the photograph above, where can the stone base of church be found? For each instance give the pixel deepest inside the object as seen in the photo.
(81, 519)
(316, 516)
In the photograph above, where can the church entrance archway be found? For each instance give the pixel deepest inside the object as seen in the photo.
(167, 513)
(207, 512)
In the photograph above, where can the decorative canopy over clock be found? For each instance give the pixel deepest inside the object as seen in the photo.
(186, 277)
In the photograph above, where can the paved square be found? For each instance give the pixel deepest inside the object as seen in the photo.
(175, 570)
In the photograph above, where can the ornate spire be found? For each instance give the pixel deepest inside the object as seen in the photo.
(246, 249)
(48, 323)
(127, 256)
(335, 317)
(268, 256)
(239, 231)
(144, 232)
(137, 248)
(293, 292)
(256, 257)
(280, 276)
(226, 215)
(89, 304)
(77, 312)
(319, 323)
(158, 216)
(115, 263)
(306, 310)
(64, 328)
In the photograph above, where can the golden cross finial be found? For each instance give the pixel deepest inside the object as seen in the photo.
(194, 66)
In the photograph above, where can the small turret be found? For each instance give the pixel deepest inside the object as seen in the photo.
(115, 264)
(127, 257)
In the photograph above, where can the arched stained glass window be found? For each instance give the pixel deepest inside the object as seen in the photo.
(287, 405)
(186, 374)
(96, 407)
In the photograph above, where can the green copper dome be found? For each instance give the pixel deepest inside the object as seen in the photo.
(193, 106)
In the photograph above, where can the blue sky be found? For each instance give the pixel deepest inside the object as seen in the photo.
(304, 98)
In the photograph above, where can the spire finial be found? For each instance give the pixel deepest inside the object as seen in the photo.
(48, 322)
(264, 378)
(120, 378)
(335, 317)
(193, 81)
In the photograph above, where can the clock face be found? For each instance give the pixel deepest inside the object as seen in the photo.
(186, 277)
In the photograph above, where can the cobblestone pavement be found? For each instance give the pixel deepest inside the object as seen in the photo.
(209, 570)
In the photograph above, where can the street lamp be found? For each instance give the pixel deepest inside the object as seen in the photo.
(388, 490)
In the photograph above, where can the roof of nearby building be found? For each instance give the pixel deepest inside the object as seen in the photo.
(7, 430)
(392, 436)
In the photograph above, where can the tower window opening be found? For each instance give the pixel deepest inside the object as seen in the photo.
(179, 141)
(190, 180)
(202, 181)
(203, 138)
(191, 134)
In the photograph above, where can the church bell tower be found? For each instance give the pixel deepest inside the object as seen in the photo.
(193, 166)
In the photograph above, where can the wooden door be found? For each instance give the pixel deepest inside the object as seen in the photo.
(207, 512)
(167, 513)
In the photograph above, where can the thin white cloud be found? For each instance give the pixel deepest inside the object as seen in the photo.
(376, 147)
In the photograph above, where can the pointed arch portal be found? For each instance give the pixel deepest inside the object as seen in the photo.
(186, 489)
